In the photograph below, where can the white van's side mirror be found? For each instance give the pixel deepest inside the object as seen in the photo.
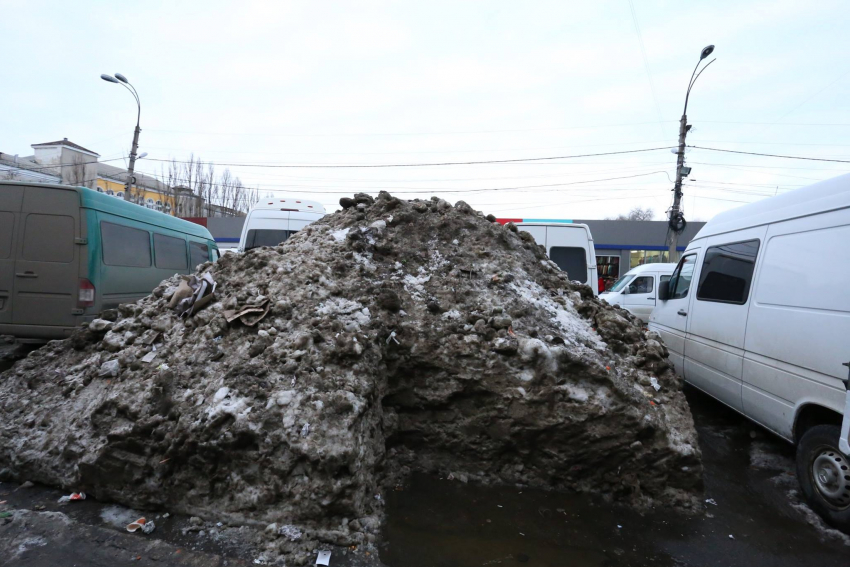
(626, 290)
(664, 290)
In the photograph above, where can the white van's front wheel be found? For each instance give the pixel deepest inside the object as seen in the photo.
(824, 475)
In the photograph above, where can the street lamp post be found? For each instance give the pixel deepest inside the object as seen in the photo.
(122, 80)
(677, 219)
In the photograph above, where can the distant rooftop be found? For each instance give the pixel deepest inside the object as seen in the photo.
(65, 142)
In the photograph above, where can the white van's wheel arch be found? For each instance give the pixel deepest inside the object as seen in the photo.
(811, 415)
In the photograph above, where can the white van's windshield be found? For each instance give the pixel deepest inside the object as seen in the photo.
(620, 283)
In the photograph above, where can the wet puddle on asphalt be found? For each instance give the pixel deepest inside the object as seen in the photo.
(441, 523)
(755, 517)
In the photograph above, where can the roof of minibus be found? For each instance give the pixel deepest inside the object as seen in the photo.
(91, 199)
(290, 204)
(665, 268)
(818, 198)
(555, 224)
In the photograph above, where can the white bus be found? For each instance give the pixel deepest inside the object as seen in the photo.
(272, 221)
(568, 244)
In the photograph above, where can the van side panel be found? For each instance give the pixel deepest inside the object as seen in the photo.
(716, 330)
(11, 199)
(799, 324)
(592, 275)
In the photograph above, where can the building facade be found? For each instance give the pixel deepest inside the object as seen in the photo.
(67, 163)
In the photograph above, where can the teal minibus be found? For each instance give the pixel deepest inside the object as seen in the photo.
(67, 253)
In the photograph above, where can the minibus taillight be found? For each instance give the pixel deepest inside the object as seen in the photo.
(86, 294)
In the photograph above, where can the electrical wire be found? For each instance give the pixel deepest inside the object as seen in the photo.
(769, 155)
(383, 165)
(359, 134)
(419, 190)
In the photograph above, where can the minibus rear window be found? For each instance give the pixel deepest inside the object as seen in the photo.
(266, 237)
(199, 253)
(572, 260)
(170, 252)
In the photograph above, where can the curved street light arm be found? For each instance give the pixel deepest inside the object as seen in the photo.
(694, 80)
(138, 103)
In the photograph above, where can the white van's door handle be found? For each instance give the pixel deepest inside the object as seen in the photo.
(650, 299)
(27, 275)
(683, 313)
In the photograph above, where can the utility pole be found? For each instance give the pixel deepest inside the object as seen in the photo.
(130, 177)
(676, 222)
(122, 80)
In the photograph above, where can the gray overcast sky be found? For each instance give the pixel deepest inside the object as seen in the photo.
(400, 82)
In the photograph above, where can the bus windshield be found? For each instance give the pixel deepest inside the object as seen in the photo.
(620, 283)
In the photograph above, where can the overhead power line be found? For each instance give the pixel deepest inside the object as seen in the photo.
(362, 134)
(433, 164)
(770, 155)
(420, 190)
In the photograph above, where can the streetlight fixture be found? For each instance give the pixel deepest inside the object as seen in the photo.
(122, 80)
(677, 219)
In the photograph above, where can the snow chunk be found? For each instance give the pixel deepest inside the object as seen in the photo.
(340, 235)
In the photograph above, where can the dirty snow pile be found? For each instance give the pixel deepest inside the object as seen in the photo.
(390, 336)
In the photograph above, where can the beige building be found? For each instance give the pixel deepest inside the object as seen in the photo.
(67, 163)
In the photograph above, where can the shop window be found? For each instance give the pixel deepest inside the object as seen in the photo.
(150, 204)
(727, 272)
(655, 256)
(572, 260)
(159, 206)
(642, 284)
(110, 192)
(641, 257)
(680, 281)
(125, 246)
(99, 190)
(608, 271)
(170, 253)
(120, 194)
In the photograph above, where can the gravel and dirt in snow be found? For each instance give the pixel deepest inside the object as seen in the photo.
(387, 338)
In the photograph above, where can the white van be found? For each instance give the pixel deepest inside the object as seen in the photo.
(272, 221)
(637, 290)
(757, 315)
(568, 244)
